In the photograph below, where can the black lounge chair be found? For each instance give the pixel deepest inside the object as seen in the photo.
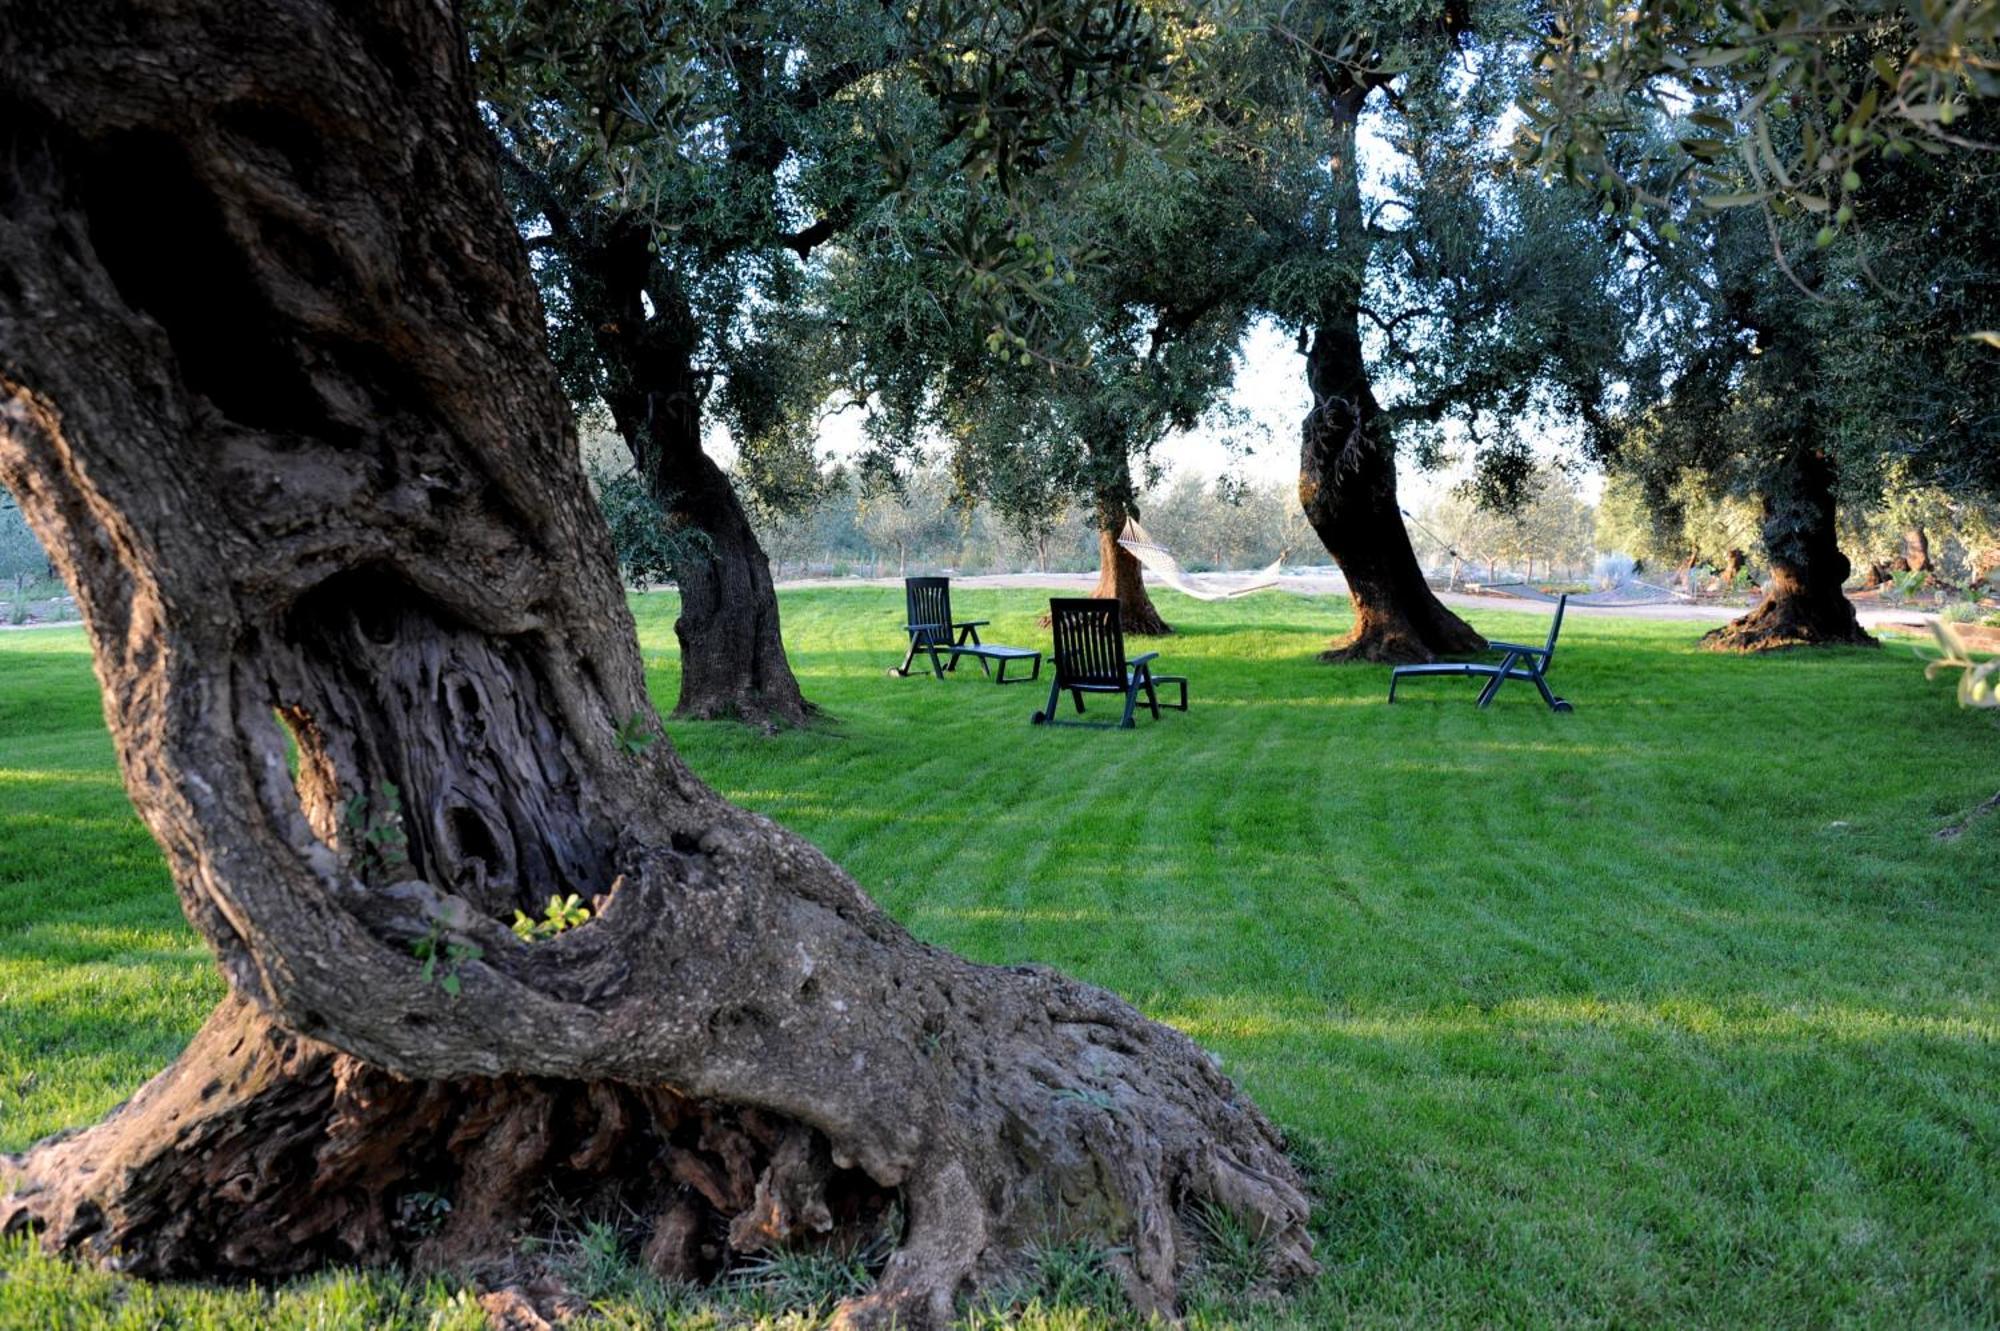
(1517, 662)
(1090, 658)
(932, 630)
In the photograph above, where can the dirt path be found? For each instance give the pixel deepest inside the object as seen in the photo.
(1328, 582)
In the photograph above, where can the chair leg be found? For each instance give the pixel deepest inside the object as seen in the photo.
(1048, 712)
(1131, 701)
(909, 656)
(984, 665)
(1152, 695)
(1555, 704)
(937, 667)
(1499, 678)
(1077, 694)
(1393, 678)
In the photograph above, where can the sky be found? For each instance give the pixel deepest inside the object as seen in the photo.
(1271, 396)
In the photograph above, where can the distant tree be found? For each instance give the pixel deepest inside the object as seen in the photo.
(676, 164)
(1821, 383)
(1222, 524)
(1686, 523)
(1457, 531)
(1926, 529)
(919, 512)
(1553, 525)
(1149, 329)
(1750, 407)
(1444, 289)
(652, 204)
(21, 556)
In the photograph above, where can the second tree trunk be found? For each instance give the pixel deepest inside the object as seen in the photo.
(1120, 576)
(1805, 604)
(1347, 486)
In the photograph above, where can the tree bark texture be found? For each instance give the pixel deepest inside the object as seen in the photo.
(274, 392)
(733, 661)
(1804, 602)
(1347, 487)
(1120, 575)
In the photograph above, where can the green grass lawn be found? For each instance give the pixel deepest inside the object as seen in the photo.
(1673, 1011)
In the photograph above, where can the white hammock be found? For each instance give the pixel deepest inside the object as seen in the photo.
(1160, 562)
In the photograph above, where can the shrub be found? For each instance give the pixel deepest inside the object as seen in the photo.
(1613, 570)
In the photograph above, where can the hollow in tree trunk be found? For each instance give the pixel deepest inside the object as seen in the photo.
(1804, 602)
(733, 661)
(314, 482)
(1347, 486)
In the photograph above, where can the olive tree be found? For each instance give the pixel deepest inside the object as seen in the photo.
(316, 485)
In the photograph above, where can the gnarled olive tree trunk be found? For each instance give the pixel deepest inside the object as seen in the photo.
(1804, 602)
(1347, 486)
(273, 392)
(733, 661)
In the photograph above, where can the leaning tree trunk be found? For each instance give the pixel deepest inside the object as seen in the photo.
(1347, 486)
(733, 661)
(273, 391)
(1120, 575)
(1804, 604)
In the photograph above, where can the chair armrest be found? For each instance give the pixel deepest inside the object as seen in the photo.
(1516, 647)
(1138, 661)
(931, 628)
(970, 623)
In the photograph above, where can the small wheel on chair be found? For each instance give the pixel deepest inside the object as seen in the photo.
(1037, 719)
(1562, 705)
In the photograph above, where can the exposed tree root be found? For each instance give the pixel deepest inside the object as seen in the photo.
(260, 1154)
(1392, 639)
(1783, 621)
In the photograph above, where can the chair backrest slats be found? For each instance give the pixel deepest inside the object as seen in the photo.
(1089, 641)
(1555, 627)
(928, 601)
